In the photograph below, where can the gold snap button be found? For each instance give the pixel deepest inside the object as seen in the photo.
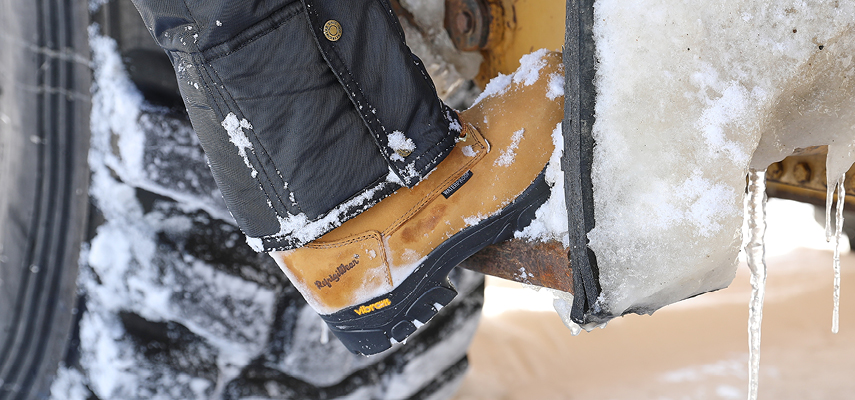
(332, 30)
(403, 153)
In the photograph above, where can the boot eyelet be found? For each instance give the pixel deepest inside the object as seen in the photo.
(464, 134)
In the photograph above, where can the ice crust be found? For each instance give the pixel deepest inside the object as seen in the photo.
(688, 99)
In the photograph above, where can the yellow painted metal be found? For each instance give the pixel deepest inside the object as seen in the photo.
(518, 28)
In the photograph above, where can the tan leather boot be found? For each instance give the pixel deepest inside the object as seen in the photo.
(382, 274)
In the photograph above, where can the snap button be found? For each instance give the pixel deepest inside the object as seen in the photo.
(403, 153)
(332, 30)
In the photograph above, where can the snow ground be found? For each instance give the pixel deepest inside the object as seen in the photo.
(695, 349)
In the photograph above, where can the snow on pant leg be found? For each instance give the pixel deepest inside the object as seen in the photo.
(295, 102)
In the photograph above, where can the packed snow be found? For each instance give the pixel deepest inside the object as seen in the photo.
(468, 151)
(299, 226)
(688, 98)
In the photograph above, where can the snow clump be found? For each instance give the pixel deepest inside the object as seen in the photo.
(400, 145)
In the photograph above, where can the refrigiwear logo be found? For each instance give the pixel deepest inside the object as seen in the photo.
(373, 307)
(339, 271)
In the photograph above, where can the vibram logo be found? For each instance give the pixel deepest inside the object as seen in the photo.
(339, 271)
(373, 307)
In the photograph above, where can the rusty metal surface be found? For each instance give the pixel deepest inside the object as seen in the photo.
(802, 178)
(468, 23)
(504, 30)
(518, 28)
(533, 263)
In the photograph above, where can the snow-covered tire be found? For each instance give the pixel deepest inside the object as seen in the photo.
(44, 138)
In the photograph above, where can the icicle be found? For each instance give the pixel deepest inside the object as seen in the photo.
(838, 230)
(829, 201)
(755, 250)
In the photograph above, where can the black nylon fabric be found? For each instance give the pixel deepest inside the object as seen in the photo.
(317, 112)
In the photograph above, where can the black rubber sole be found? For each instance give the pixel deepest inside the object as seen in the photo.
(399, 313)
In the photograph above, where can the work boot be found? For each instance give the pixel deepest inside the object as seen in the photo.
(381, 275)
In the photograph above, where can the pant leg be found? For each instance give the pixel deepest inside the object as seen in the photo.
(295, 103)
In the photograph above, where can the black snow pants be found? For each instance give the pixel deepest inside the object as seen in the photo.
(294, 103)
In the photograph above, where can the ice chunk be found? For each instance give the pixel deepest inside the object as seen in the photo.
(683, 113)
(325, 332)
(563, 302)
